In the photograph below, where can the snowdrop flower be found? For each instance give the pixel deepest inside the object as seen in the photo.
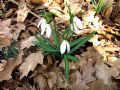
(77, 25)
(44, 27)
(64, 46)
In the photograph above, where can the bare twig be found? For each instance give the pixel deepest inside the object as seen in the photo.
(13, 1)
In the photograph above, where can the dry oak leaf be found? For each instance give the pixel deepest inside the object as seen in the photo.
(27, 43)
(2, 64)
(40, 80)
(22, 13)
(52, 79)
(9, 32)
(8, 69)
(79, 84)
(83, 79)
(5, 35)
(103, 72)
(16, 29)
(30, 63)
(88, 70)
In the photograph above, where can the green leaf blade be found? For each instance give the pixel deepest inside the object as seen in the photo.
(66, 67)
(81, 43)
(72, 58)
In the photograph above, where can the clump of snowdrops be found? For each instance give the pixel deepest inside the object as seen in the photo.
(60, 46)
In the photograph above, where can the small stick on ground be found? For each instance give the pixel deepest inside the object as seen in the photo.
(13, 1)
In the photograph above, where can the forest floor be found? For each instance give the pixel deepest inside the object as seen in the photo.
(24, 67)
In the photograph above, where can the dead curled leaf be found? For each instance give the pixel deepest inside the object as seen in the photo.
(16, 29)
(2, 64)
(30, 63)
(22, 13)
(88, 70)
(52, 79)
(79, 84)
(41, 81)
(5, 35)
(8, 69)
(81, 79)
(102, 72)
(27, 43)
(9, 32)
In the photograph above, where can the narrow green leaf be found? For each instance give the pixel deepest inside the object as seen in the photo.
(72, 58)
(48, 41)
(47, 49)
(66, 67)
(42, 43)
(76, 41)
(55, 36)
(54, 51)
(81, 43)
(42, 46)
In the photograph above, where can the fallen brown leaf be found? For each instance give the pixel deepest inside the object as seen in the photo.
(11, 64)
(88, 70)
(52, 79)
(41, 81)
(103, 72)
(22, 13)
(30, 63)
(9, 32)
(2, 64)
(27, 43)
(5, 35)
(79, 84)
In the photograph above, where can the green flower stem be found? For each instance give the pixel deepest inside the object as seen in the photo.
(66, 67)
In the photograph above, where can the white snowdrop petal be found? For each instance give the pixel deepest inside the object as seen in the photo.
(48, 30)
(78, 22)
(43, 30)
(75, 28)
(43, 25)
(39, 23)
(63, 47)
(68, 47)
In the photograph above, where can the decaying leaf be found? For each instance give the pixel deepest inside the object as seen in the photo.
(22, 13)
(108, 10)
(88, 70)
(30, 63)
(8, 69)
(16, 29)
(3, 64)
(52, 79)
(9, 32)
(40, 81)
(5, 35)
(38, 1)
(102, 72)
(27, 43)
(79, 83)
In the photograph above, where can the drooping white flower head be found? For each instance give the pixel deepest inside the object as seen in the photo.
(77, 22)
(77, 25)
(44, 27)
(64, 46)
(48, 30)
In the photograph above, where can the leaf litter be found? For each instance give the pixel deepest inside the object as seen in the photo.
(98, 68)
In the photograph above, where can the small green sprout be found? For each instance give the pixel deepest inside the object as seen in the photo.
(100, 5)
(11, 51)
